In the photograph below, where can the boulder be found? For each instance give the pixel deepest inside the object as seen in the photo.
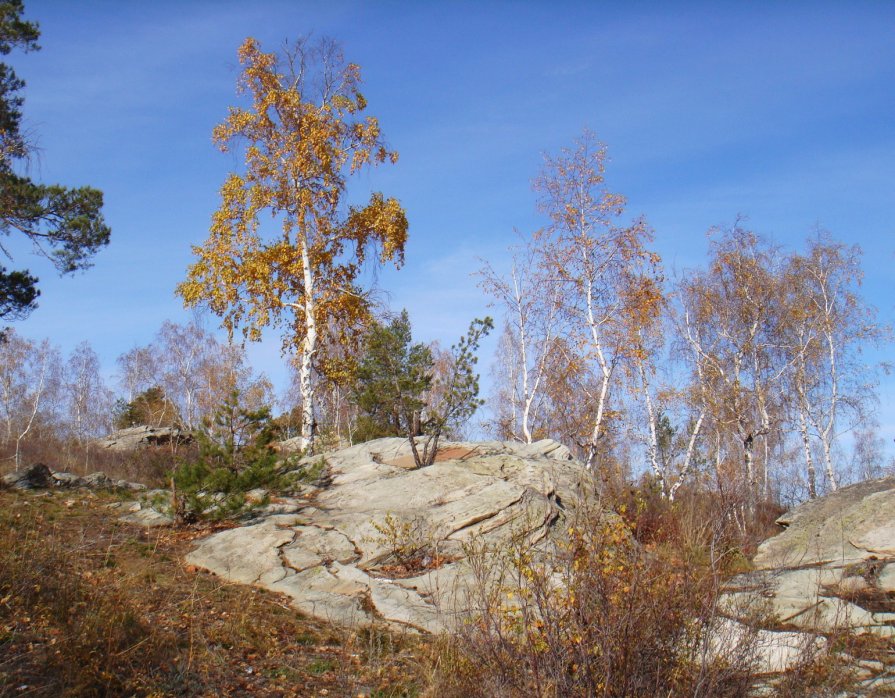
(335, 557)
(67, 480)
(35, 477)
(849, 525)
(296, 444)
(39, 477)
(98, 480)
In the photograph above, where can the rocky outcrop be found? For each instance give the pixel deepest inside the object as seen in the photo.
(834, 565)
(143, 436)
(831, 570)
(336, 557)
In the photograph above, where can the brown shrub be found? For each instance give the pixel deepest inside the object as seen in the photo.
(595, 614)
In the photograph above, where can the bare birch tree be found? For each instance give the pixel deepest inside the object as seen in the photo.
(730, 315)
(184, 354)
(827, 325)
(29, 378)
(87, 400)
(138, 370)
(530, 298)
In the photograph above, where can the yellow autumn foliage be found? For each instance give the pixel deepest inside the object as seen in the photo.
(302, 137)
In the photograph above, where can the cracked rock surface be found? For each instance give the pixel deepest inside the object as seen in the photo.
(831, 569)
(332, 556)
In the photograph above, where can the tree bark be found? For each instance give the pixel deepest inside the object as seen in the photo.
(308, 349)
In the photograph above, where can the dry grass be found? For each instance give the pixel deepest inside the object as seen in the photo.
(93, 607)
(150, 466)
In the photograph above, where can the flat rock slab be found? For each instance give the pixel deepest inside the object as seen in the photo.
(330, 558)
(249, 554)
(768, 651)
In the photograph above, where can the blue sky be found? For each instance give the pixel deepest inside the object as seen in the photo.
(782, 112)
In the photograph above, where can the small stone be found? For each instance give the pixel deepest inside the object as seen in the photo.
(98, 480)
(67, 480)
(886, 579)
(149, 518)
(132, 486)
(256, 496)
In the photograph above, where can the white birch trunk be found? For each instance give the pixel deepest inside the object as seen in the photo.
(606, 373)
(308, 349)
(688, 457)
(527, 396)
(652, 447)
(809, 460)
(828, 431)
(38, 393)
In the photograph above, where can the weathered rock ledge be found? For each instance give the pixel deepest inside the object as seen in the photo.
(831, 571)
(328, 557)
(833, 567)
(143, 436)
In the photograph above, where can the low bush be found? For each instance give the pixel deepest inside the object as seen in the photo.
(410, 546)
(597, 613)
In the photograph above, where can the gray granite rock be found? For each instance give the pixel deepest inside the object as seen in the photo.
(39, 476)
(35, 477)
(143, 436)
(147, 517)
(67, 480)
(333, 559)
(98, 480)
(832, 569)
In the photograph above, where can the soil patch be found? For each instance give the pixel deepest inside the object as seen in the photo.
(444, 454)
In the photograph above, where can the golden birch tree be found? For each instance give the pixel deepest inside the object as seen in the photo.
(593, 254)
(302, 136)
